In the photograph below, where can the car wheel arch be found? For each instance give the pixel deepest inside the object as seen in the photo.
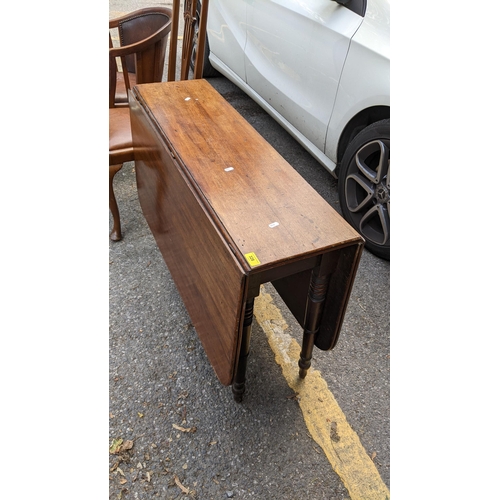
(357, 123)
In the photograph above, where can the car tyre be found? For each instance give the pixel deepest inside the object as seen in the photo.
(364, 186)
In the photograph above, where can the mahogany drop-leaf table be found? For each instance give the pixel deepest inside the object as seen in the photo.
(228, 214)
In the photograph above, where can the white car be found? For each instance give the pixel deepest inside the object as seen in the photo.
(321, 69)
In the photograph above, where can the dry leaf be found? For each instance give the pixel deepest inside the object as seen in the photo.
(181, 486)
(148, 475)
(115, 446)
(120, 494)
(118, 445)
(127, 445)
(212, 443)
(184, 429)
(374, 454)
(123, 481)
(120, 471)
(140, 414)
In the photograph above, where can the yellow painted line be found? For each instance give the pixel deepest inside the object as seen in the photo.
(323, 416)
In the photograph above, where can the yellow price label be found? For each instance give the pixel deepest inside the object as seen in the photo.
(252, 259)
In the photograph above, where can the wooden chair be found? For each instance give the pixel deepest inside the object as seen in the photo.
(142, 46)
(143, 36)
(143, 43)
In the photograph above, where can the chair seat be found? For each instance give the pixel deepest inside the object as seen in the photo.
(121, 96)
(120, 136)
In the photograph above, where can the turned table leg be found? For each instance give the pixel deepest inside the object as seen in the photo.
(239, 379)
(318, 288)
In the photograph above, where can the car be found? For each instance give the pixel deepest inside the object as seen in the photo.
(321, 68)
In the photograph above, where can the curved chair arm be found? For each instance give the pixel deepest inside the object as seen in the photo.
(149, 45)
(133, 48)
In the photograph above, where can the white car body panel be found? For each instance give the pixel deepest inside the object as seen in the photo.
(294, 56)
(311, 64)
(365, 81)
(226, 30)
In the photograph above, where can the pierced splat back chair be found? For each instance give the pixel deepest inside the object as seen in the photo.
(143, 43)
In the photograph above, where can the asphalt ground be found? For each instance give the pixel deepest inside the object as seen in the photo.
(187, 435)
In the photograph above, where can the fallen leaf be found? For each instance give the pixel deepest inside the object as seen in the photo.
(184, 429)
(181, 486)
(127, 445)
(140, 414)
(118, 445)
(115, 446)
(123, 481)
(148, 475)
(212, 443)
(374, 454)
(120, 471)
(185, 466)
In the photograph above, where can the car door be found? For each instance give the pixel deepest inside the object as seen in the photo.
(294, 54)
(226, 31)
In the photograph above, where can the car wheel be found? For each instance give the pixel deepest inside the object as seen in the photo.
(208, 69)
(364, 186)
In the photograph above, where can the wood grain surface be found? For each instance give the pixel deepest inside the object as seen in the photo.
(210, 280)
(264, 205)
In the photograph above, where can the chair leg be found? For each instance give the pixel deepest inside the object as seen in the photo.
(116, 233)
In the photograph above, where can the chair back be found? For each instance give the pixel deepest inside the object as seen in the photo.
(193, 39)
(141, 52)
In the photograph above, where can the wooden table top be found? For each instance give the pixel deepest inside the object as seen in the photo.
(269, 212)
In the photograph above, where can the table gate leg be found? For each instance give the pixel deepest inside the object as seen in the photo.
(239, 379)
(314, 307)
